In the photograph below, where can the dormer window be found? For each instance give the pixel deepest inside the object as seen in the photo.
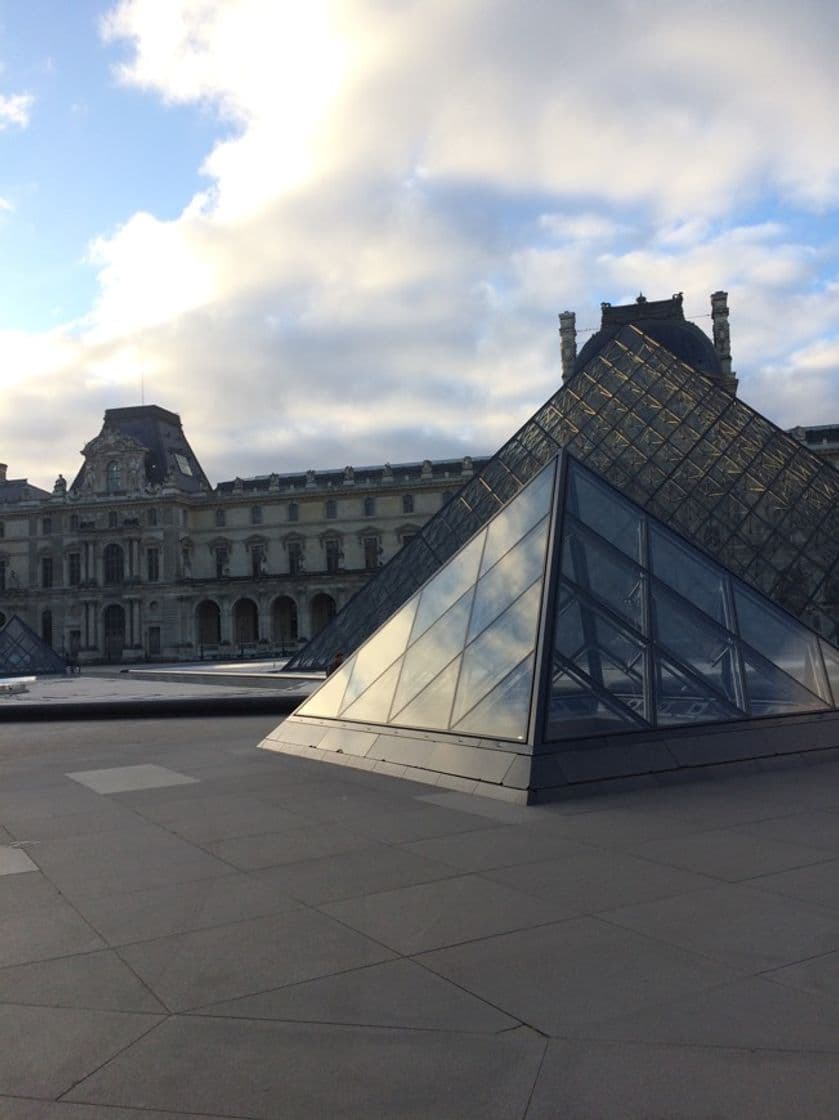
(113, 477)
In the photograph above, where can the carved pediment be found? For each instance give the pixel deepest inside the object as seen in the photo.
(112, 442)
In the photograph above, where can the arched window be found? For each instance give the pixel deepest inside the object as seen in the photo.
(113, 476)
(113, 563)
(407, 503)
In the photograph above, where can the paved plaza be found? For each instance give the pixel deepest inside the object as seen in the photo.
(193, 927)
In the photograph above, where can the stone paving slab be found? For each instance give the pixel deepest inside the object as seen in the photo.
(280, 938)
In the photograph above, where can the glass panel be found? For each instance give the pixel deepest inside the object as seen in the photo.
(773, 693)
(574, 709)
(432, 707)
(602, 510)
(604, 573)
(504, 712)
(519, 516)
(683, 569)
(502, 646)
(508, 578)
(707, 649)
(448, 585)
(326, 702)
(684, 699)
(373, 706)
(380, 652)
(612, 658)
(831, 664)
(781, 640)
(434, 650)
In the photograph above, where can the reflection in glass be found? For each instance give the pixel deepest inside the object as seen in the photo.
(519, 517)
(611, 658)
(687, 572)
(574, 709)
(707, 649)
(431, 708)
(502, 646)
(603, 573)
(508, 578)
(448, 585)
(780, 640)
(326, 702)
(373, 706)
(773, 693)
(380, 652)
(683, 699)
(433, 651)
(503, 714)
(601, 509)
(831, 664)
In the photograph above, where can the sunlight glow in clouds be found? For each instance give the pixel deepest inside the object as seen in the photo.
(15, 110)
(404, 195)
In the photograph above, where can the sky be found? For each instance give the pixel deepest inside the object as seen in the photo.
(340, 232)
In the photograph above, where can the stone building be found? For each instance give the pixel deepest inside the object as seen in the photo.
(140, 557)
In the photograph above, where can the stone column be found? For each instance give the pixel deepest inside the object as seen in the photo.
(722, 338)
(568, 342)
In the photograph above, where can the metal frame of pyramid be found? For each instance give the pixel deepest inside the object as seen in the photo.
(682, 447)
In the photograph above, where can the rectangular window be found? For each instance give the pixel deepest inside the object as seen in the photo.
(256, 515)
(154, 641)
(371, 553)
(2, 575)
(74, 569)
(221, 563)
(333, 555)
(295, 557)
(46, 571)
(331, 509)
(47, 528)
(153, 564)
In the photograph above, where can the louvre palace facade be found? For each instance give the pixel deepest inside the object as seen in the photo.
(140, 557)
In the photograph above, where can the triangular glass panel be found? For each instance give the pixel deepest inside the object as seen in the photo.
(772, 693)
(831, 664)
(373, 706)
(23, 652)
(326, 702)
(695, 640)
(575, 709)
(604, 572)
(681, 698)
(519, 517)
(504, 582)
(504, 712)
(434, 650)
(386, 645)
(781, 640)
(498, 650)
(686, 571)
(599, 507)
(432, 707)
(448, 585)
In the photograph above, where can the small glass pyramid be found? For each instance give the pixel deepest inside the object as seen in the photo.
(22, 652)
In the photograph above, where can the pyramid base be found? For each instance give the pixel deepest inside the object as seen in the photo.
(522, 774)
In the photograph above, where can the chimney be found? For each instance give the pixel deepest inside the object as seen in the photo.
(3, 469)
(722, 337)
(568, 342)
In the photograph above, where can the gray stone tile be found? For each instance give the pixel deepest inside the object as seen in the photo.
(264, 1070)
(207, 819)
(52, 929)
(429, 915)
(499, 811)
(15, 861)
(394, 994)
(54, 801)
(617, 827)
(190, 970)
(417, 822)
(561, 977)
(488, 848)
(19, 893)
(819, 975)
(818, 883)
(598, 880)
(46, 1050)
(93, 980)
(123, 779)
(249, 853)
(748, 929)
(350, 874)
(596, 1080)
(15, 1108)
(146, 914)
(728, 854)
(753, 1013)
(106, 817)
(815, 829)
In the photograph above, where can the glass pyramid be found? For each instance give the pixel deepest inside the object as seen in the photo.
(625, 625)
(22, 652)
(678, 445)
(459, 656)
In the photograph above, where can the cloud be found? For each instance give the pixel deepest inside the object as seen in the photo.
(407, 193)
(15, 109)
